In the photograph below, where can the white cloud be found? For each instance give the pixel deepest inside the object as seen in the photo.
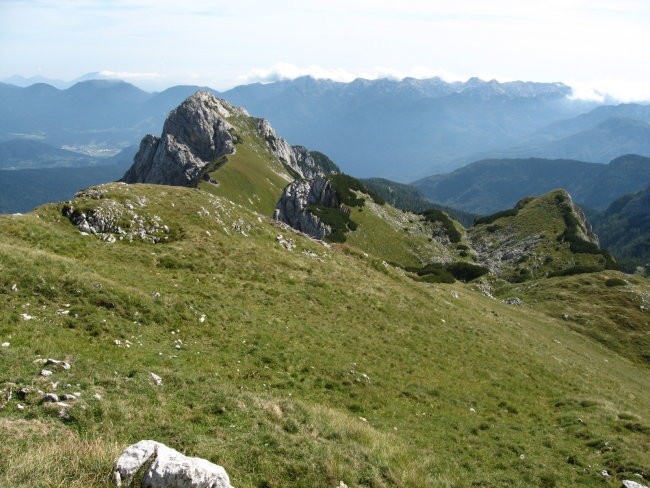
(129, 75)
(611, 90)
(288, 71)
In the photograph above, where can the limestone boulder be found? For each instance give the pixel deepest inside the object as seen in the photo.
(163, 467)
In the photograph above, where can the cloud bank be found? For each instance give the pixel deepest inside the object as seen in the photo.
(287, 71)
(601, 90)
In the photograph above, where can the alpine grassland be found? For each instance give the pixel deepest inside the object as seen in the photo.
(311, 366)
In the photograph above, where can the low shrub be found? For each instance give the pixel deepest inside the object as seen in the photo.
(574, 270)
(435, 215)
(488, 219)
(467, 271)
(440, 273)
(615, 282)
(346, 185)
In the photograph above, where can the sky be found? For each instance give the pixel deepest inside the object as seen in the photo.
(598, 47)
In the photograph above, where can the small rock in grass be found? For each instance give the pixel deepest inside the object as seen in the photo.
(56, 362)
(26, 316)
(24, 392)
(46, 372)
(50, 398)
(14, 287)
(97, 396)
(6, 344)
(156, 379)
(20, 407)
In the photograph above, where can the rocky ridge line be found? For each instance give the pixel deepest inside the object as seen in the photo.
(298, 158)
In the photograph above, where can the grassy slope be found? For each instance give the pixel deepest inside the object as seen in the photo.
(251, 177)
(397, 237)
(617, 317)
(264, 386)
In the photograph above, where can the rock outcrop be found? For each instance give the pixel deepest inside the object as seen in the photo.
(524, 241)
(163, 467)
(297, 197)
(195, 134)
(306, 164)
(584, 230)
(113, 220)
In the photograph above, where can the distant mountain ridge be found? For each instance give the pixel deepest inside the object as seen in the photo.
(404, 129)
(105, 113)
(490, 185)
(624, 228)
(597, 136)
(400, 130)
(365, 125)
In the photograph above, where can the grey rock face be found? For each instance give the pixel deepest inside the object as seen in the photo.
(195, 134)
(167, 468)
(584, 227)
(307, 164)
(293, 206)
(633, 484)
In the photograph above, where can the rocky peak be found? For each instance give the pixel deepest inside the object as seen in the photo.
(195, 133)
(199, 132)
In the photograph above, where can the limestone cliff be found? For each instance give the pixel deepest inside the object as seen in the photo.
(195, 133)
(297, 197)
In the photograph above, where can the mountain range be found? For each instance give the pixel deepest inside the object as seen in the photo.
(490, 185)
(401, 130)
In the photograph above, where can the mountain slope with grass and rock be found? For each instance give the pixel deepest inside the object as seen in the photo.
(188, 316)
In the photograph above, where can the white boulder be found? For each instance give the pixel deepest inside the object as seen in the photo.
(633, 484)
(164, 467)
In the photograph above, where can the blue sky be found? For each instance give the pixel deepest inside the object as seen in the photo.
(595, 46)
